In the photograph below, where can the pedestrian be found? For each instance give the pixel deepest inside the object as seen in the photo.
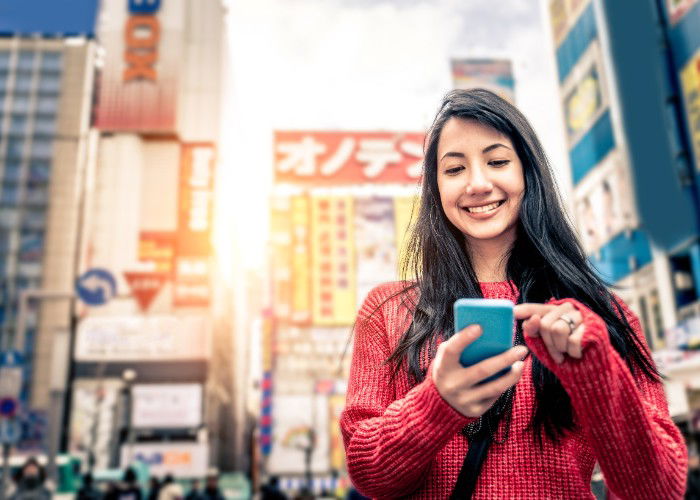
(170, 490)
(194, 493)
(271, 490)
(153, 488)
(581, 385)
(211, 488)
(30, 482)
(128, 489)
(87, 490)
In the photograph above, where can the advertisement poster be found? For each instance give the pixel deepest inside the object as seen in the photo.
(374, 243)
(495, 75)
(143, 46)
(405, 214)
(334, 158)
(585, 98)
(92, 425)
(301, 423)
(301, 277)
(690, 81)
(166, 405)
(281, 246)
(333, 279)
(184, 459)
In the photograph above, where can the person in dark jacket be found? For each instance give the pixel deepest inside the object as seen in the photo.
(30, 482)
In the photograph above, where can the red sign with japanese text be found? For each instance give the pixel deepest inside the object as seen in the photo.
(145, 286)
(332, 158)
(195, 202)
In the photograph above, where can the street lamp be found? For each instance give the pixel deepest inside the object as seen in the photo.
(126, 434)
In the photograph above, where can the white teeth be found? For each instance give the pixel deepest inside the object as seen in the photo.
(485, 208)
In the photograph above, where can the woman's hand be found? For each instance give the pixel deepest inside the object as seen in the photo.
(560, 326)
(460, 387)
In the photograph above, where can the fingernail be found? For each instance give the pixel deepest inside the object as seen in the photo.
(475, 329)
(517, 365)
(520, 350)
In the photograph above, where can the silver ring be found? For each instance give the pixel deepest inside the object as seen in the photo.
(569, 321)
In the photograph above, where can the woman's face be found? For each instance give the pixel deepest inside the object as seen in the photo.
(481, 183)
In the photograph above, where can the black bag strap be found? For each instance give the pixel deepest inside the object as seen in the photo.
(469, 473)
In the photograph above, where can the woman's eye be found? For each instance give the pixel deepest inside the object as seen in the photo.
(454, 170)
(499, 163)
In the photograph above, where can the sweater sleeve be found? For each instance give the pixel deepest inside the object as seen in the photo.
(389, 442)
(640, 450)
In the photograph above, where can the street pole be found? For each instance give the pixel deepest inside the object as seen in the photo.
(5, 470)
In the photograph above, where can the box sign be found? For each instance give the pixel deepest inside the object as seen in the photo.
(143, 338)
(166, 405)
(332, 158)
(143, 44)
(181, 459)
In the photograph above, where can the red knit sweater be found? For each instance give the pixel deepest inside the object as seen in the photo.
(404, 440)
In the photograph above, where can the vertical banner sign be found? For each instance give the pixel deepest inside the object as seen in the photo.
(157, 250)
(143, 41)
(281, 239)
(336, 403)
(375, 243)
(193, 241)
(495, 75)
(690, 81)
(268, 347)
(405, 214)
(332, 255)
(301, 279)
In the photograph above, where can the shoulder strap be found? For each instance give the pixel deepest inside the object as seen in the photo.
(466, 481)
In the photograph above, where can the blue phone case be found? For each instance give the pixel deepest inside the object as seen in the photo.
(496, 319)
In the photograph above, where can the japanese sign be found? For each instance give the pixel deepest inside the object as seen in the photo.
(332, 158)
(332, 256)
(281, 255)
(301, 291)
(157, 249)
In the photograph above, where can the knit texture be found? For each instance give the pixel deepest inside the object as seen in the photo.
(403, 439)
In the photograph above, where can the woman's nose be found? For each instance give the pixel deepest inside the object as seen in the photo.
(478, 182)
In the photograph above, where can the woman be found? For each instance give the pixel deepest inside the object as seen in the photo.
(490, 224)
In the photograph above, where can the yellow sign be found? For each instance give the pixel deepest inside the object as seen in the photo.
(405, 214)
(332, 261)
(280, 236)
(690, 81)
(301, 281)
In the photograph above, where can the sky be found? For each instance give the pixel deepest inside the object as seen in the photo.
(363, 65)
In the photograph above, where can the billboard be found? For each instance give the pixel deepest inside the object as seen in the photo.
(333, 158)
(301, 278)
(300, 422)
(495, 75)
(142, 338)
(143, 44)
(156, 251)
(690, 82)
(585, 98)
(181, 459)
(375, 243)
(166, 405)
(281, 255)
(193, 239)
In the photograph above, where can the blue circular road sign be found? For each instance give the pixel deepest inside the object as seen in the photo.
(96, 287)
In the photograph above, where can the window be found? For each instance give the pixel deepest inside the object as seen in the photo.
(26, 60)
(9, 218)
(20, 104)
(51, 61)
(18, 124)
(10, 193)
(4, 60)
(39, 171)
(23, 83)
(41, 148)
(37, 194)
(31, 245)
(15, 148)
(44, 124)
(34, 219)
(50, 84)
(12, 171)
(47, 105)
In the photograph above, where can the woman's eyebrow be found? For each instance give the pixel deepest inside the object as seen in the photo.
(452, 154)
(494, 146)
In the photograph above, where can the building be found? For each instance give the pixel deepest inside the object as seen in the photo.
(46, 89)
(153, 366)
(628, 83)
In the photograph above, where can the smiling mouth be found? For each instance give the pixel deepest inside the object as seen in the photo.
(484, 208)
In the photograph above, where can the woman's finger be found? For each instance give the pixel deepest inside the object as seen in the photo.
(557, 328)
(531, 327)
(574, 347)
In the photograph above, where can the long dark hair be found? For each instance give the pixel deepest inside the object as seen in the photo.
(546, 261)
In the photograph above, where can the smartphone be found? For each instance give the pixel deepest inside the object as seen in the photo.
(495, 316)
